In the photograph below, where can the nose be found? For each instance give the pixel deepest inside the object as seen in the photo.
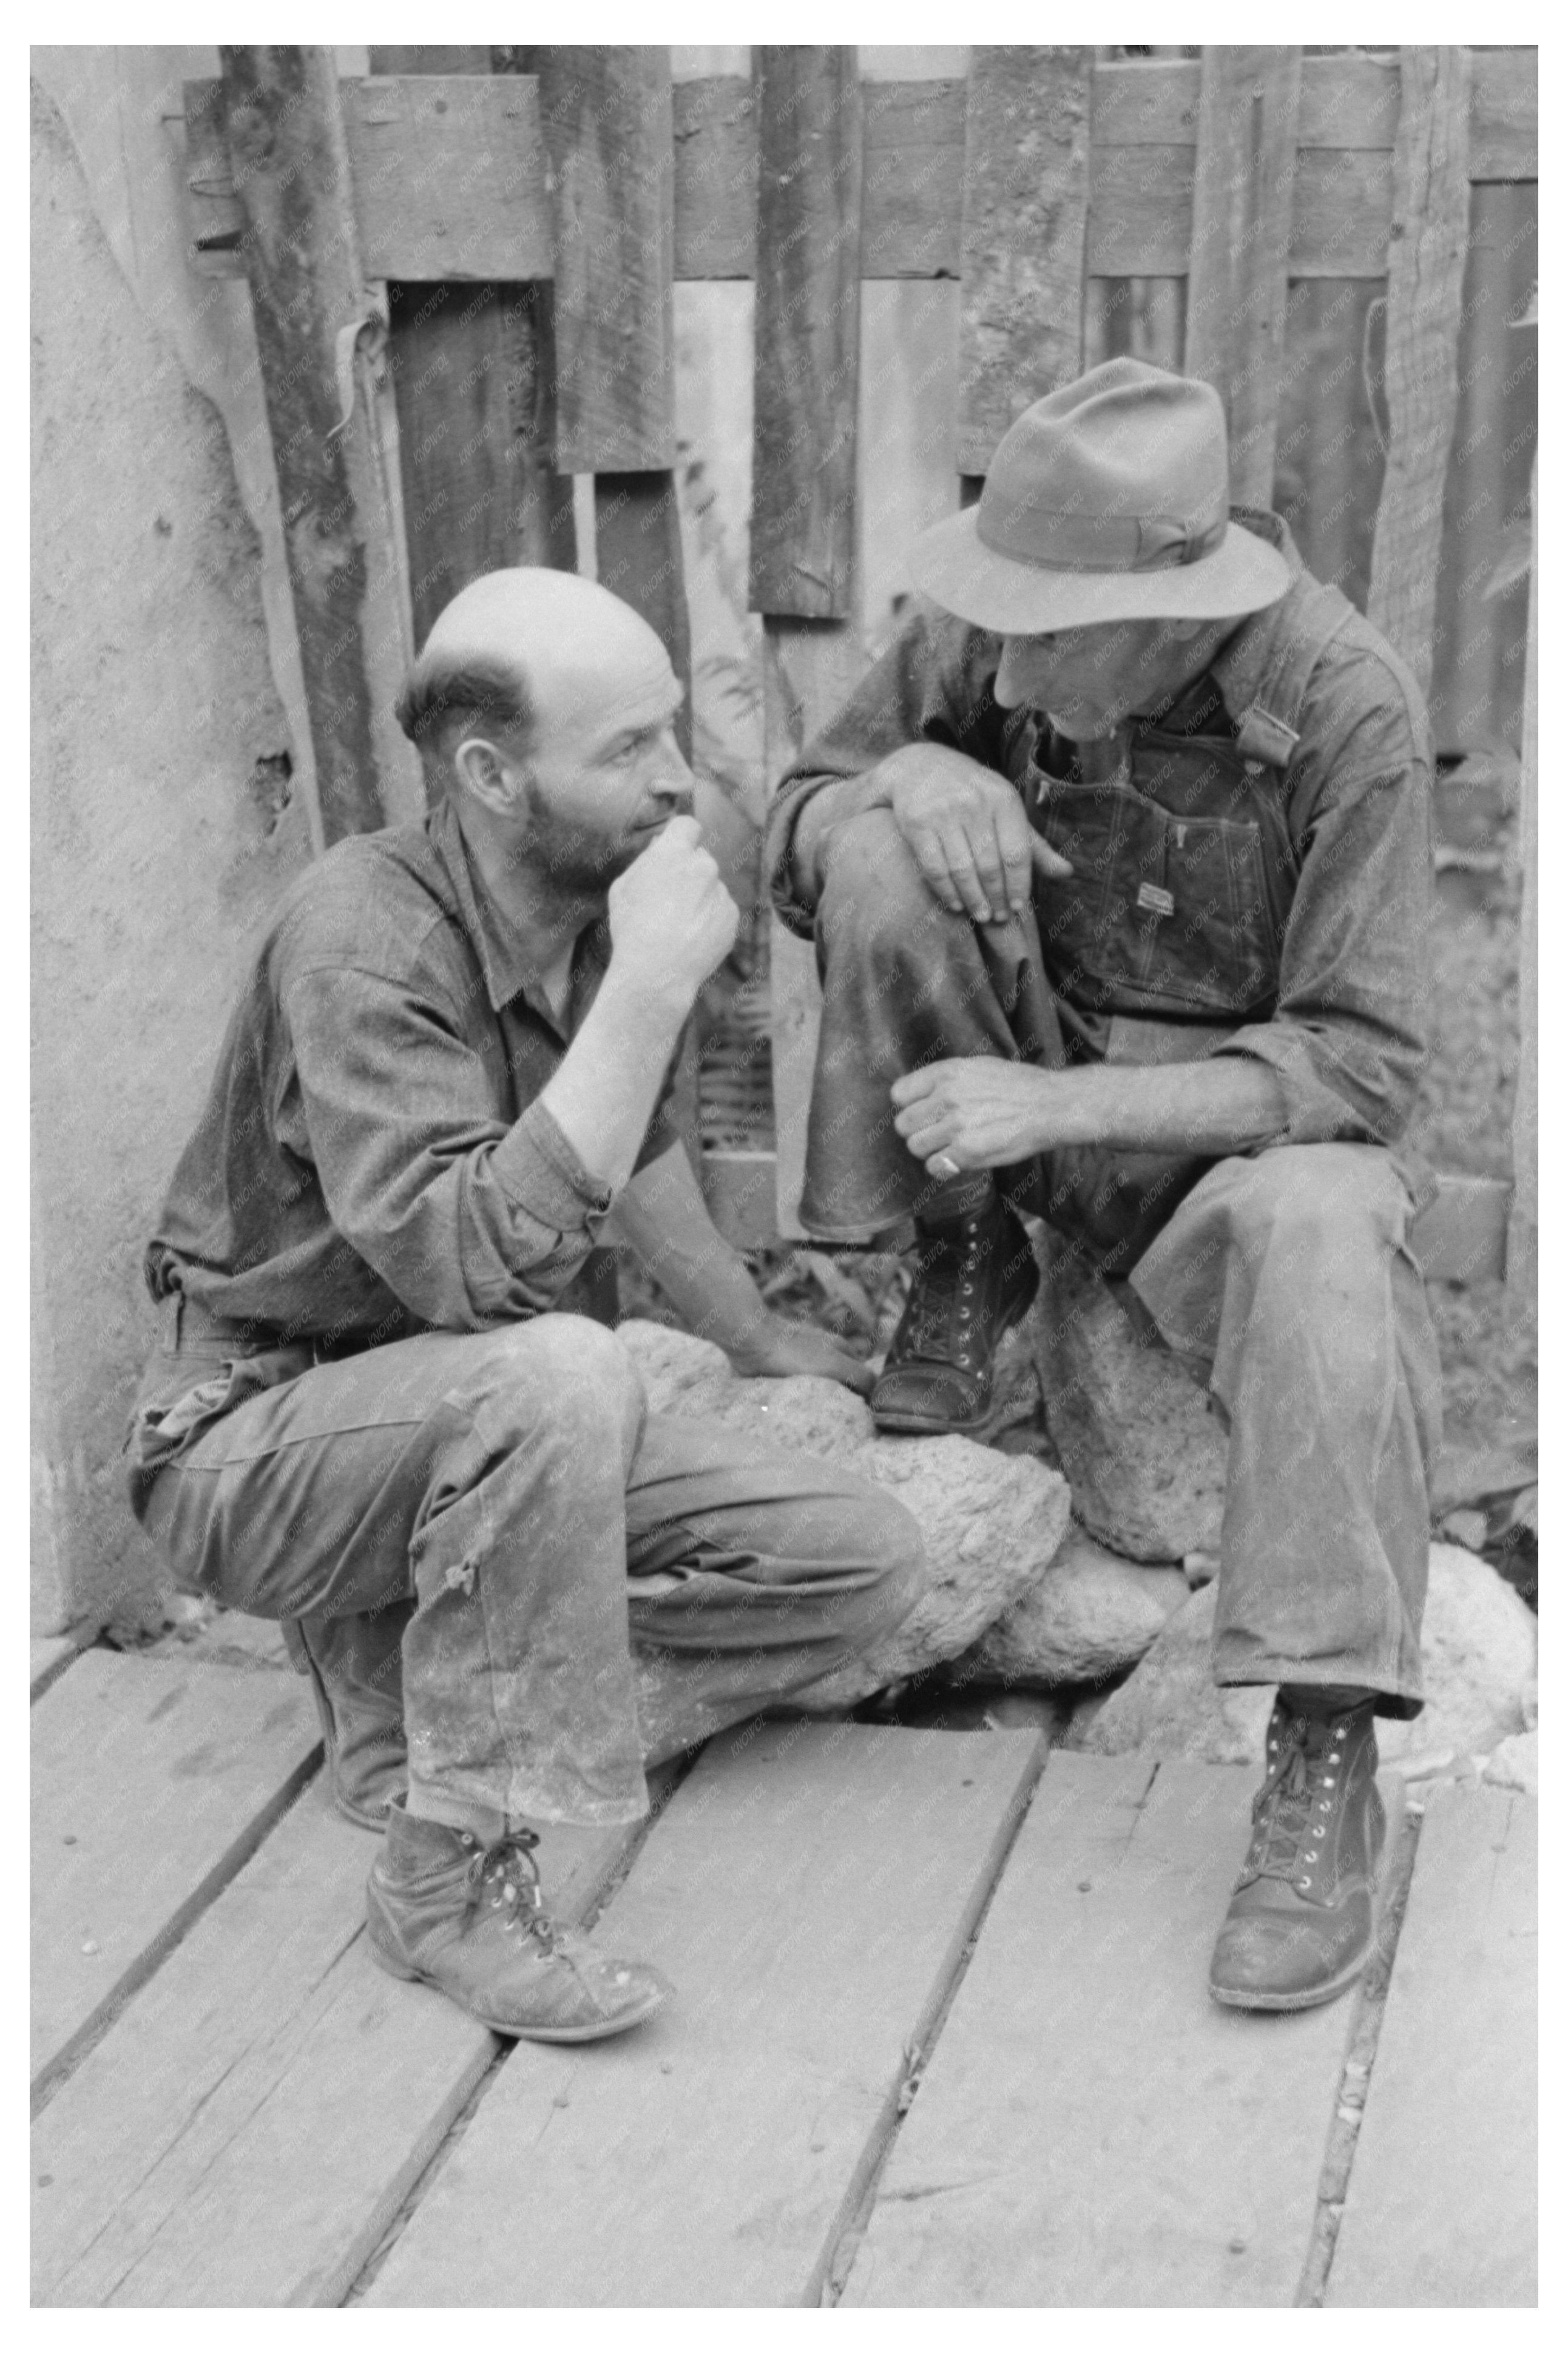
(672, 778)
(1023, 671)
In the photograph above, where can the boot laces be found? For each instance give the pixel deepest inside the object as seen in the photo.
(509, 1872)
(1292, 1810)
(943, 1302)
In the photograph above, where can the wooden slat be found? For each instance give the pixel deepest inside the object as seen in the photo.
(1504, 115)
(449, 173)
(308, 291)
(637, 529)
(1524, 1213)
(1139, 214)
(1441, 2205)
(914, 187)
(1026, 194)
(151, 1782)
(472, 366)
(1421, 372)
(715, 177)
(809, 1893)
(607, 128)
(1243, 193)
(244, 2134)
(1092, 2129)
(807, 332)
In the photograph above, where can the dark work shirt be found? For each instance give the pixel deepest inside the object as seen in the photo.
(373, 1159)
(1347, 1031)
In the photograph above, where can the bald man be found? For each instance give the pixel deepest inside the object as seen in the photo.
(373, 1414)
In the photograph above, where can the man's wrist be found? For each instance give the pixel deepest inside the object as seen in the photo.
(650, 1002)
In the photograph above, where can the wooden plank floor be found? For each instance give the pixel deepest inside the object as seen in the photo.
(1441, 2203)
(1093, 2129)
(941, 2036)
(152, 1781)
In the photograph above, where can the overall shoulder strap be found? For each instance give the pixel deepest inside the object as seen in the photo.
(1311, 615)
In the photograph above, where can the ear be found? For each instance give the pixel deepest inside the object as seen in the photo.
(1181, 633)
(493, 778)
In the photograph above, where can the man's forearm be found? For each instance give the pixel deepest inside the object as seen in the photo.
(664, 1218)
(1211, 1107)
(603, 1094)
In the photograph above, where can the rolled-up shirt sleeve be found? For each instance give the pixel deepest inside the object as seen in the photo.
(470, 1223)
(1348, 1039)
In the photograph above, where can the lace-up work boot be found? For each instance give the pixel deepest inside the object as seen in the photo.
(975, 1279)
(471, 1920)
(355, 1670)
(1300, 1926)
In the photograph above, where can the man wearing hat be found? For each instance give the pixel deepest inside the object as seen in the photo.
(1118, 864)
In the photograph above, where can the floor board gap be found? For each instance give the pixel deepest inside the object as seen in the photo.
(1355, 2076)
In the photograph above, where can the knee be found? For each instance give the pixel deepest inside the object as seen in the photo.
(877, 1532)
(1316, 1201)
(872, 890)
(573, 1369)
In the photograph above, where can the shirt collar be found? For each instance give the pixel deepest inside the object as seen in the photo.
(1240, 666)
(506, 954)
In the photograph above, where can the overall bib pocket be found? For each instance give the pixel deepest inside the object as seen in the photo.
(1167, 909)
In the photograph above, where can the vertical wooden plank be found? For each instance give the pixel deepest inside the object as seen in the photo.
(808, 1892)
(1026, 205)
(1441, 2204)
(473, 373)
(804, 576)
(606, 119)
(807, 332)
(1426, 279)
(308, 294)
(1242, 198)
(1524, 1225)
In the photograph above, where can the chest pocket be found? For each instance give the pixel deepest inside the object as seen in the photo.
(1182, 878)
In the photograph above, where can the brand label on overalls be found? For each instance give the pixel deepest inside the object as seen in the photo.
(1157, 902)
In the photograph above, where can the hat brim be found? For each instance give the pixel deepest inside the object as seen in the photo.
(950, 564)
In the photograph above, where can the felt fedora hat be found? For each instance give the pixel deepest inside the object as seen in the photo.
(1108, 500)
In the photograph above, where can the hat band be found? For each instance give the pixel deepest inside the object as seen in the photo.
(1083, 543)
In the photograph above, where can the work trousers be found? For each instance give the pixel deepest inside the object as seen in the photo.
(1284, 1277)
(513, 1484)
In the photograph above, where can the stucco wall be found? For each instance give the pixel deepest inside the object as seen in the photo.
(165, 824)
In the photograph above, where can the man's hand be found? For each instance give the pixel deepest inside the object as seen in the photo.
(672, 921)
(966, 826)
(773, 1347)
(979, 1113)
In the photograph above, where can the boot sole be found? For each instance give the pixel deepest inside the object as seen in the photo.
(911, 1425)
(598, 2033)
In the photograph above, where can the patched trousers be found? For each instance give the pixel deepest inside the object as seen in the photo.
(1283, 1277)
(513, 1485)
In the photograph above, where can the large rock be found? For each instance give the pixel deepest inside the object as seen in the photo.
(1169, 1705)
(1088, 1615)
(1479, 1647)
(1144, 1457)
(1515, 1764)
(990, 1521)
